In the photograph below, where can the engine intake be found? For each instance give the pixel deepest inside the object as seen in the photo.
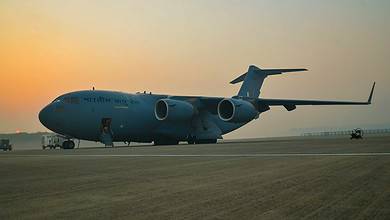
(173, 110)
(236, 110)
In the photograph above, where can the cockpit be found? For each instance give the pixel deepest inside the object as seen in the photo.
(58, 99)
(67, 99)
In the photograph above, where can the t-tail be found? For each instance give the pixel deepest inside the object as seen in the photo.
(254, 78)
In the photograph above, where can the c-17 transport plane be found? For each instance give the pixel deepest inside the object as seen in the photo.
(110, 116)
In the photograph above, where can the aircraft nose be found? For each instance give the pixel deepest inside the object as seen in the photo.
(44, 115)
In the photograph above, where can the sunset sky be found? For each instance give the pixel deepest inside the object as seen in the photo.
(196, 48)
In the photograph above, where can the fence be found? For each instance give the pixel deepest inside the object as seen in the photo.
(347, 132)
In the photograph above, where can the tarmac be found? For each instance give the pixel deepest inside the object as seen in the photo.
(290, 178)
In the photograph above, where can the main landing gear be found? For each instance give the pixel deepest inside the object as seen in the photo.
(193, 140)
(203, 141)
(189, 141)
(166, 141)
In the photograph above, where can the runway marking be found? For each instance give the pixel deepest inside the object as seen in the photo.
(208, 155)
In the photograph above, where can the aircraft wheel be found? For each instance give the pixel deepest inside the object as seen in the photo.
(206, 141)
(166, 142)
(68, 145)
(71, 144)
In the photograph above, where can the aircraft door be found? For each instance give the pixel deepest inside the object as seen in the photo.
(106, 132)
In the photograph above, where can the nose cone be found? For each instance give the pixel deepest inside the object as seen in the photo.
(44, 115)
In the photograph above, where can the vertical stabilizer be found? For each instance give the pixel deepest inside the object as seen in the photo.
(254, 78)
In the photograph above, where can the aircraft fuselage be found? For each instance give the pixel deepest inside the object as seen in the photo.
(132, 117)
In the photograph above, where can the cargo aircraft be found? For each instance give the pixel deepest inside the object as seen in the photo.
(110, 116)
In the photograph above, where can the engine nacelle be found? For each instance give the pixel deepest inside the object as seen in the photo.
(236, 110)
(173, 110)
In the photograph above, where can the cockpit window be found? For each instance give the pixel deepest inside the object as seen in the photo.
(72, 100)
(68, 99)
(58, 99)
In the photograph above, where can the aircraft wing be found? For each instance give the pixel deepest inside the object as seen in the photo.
(290, 104)
(210, 103)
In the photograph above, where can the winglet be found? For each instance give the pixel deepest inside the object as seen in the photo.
(371, 93)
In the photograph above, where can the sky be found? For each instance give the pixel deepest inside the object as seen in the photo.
(51, 47)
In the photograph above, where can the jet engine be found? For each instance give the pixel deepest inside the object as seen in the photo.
(236, 110)
(173, 110)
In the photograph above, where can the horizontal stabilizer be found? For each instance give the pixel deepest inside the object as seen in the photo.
(265, 72)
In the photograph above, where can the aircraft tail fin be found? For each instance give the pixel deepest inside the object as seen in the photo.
(253, 80)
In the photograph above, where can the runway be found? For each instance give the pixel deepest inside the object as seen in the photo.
(213, 155)
(259, 179)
